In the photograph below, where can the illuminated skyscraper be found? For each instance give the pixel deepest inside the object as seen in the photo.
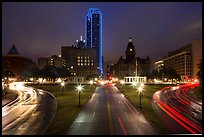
(93, 34)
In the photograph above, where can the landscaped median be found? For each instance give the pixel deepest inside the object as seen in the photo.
(67, 105)
(132, 94)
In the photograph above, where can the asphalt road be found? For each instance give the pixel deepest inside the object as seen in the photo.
(181, 113)
(29, 114)
(108, 112)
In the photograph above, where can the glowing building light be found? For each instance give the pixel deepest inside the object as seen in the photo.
(93, 34)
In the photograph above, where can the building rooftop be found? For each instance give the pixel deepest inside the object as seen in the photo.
(13, 51)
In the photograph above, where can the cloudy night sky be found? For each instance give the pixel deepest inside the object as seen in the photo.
(39, 29)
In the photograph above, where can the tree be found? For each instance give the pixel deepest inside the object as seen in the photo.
(7, 73)
(169, 73)
(61, 72)
(172, 74)
(199, 73)
(49, 72)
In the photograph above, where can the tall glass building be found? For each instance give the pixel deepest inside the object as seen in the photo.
(93, 34)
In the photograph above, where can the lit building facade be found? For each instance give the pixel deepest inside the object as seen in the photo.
(93, 34)
(184, 60)
(56, 61)
(80, 61)
(127, 67)
(21, 66)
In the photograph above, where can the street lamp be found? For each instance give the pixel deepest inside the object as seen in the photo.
(79, 88)
(155, 82)
(91, 83)
(62, 86)
(32, 80)
(134, 84)
(40, 81)
(142, 85)
(122, 83)
(140, 91)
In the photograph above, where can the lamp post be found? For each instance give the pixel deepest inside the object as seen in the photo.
(91, 83)
(40, 80)
(79, 88)
(32, 80)
(134, 84)
(155, 82)
(142, 85)
(140, 91)
(62, 86)
(122, 83)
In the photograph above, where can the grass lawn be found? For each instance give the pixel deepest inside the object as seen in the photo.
(67, 106)
(146, 109)
(68, 109)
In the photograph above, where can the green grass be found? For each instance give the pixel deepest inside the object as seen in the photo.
(68, 109)
(146, 108)
(67, 106)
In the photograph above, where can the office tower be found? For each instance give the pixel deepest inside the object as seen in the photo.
(183, 60)
(93, 35)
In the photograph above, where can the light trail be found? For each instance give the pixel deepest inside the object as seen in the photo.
(20, 108)
(122, 126)
(174, 103)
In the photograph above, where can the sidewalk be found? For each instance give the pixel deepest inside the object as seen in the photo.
(9, 96)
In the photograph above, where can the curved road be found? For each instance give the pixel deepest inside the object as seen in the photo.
(181, 113)
(30, 113)
(108, 112)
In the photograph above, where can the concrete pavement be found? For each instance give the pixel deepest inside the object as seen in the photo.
(9, 96)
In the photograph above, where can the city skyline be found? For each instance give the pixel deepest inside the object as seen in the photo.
(40, 29)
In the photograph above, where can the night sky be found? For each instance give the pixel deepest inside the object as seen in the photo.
(40, 29)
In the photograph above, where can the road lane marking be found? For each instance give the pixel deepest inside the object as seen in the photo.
(109, 115)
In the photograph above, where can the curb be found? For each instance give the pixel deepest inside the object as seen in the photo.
(144, 115)
(14, 98)
(53, 116)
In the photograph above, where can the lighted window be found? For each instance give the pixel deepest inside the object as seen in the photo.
(78, 64)
(84, 60)
(81, 64)
(78, 60)
(88, 64)
(88, 60)
(130, 49)
(92, 64)
(72, 67)
(85, 64)
(78, 57)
